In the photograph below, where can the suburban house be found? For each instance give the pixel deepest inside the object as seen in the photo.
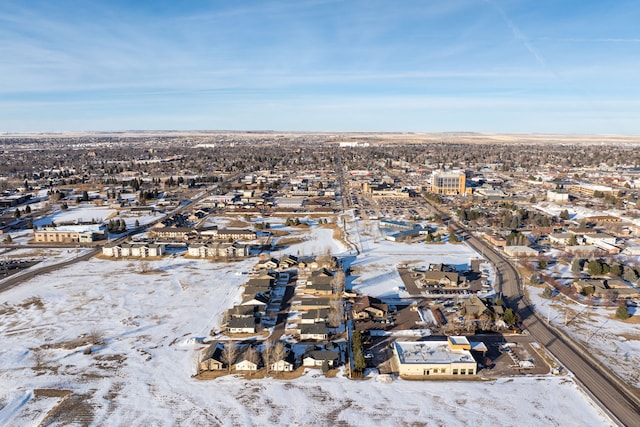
(241, 325)
(317, 358)
(289, 261)
(474, 307)
(212, 358)
(313, 303)
(434, 358)
(367, 307)
(314, 316)
(286, 364)
(267, 264)
(314, 331)
(318, 285)
(248, 361)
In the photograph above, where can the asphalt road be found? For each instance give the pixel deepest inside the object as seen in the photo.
(29, 274)
(619, 399)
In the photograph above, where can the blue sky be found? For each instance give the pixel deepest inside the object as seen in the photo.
(558, 66)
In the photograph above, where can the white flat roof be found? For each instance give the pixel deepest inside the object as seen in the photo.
(430, 352)
(459, 340)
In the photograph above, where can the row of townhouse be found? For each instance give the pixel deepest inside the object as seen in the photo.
(248, 316)
(207, 233)
(218, 250)
(137, 249)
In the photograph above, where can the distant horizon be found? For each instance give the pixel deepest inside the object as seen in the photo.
(494, 66)
(313, 132)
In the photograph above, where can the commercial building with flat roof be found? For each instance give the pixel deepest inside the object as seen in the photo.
(450, 357)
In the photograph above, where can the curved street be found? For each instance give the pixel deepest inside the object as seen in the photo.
(621, 402)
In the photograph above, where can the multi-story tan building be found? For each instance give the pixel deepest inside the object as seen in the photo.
(70, 233)
(449, 182)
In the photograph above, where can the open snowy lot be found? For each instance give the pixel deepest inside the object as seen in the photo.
(147, 326)
(376, 267)
(597, 328)
(91, 213)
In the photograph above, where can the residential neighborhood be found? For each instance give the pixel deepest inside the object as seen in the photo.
(343, 266)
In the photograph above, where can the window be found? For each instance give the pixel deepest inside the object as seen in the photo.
(463, 371)
(455, 372)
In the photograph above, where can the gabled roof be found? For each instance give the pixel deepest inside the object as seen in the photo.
(214, 351)
(441, 275)
(322, 355)
(321, 281)
(314, 329)
(260, 281)
(321, 272)
(289, 357)
(474, 306)
(241, 322)
(367, 301)
(258, 299)
(318, 313)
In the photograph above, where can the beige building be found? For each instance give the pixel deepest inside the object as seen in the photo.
(426, 359)
(137, 250)
(449, 182)
(70, 234)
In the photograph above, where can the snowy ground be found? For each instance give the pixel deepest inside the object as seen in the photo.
(89, 213)
(45, 256)
(616, 341)
(376, 267)
(150, 323)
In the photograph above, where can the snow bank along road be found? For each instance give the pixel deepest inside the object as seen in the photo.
(615, 396)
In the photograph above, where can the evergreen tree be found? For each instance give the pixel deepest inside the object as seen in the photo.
(509, 317)
(622, 312)
(576, 265)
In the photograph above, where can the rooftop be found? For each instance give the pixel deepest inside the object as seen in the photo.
(430, 352)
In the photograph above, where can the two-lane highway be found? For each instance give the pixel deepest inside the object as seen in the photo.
(619, 399)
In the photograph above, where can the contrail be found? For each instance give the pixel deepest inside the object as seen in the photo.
(518, 34)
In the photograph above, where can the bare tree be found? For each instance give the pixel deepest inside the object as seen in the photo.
(144, 267)
(229, 353)
(251, 355)
(485, 321)
(279, 352)
(336, 307)
(267, 354)
(338, 281)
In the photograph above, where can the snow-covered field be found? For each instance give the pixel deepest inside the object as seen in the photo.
(150, 324)
(376, 268)
(91, 213)
(597, 328)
